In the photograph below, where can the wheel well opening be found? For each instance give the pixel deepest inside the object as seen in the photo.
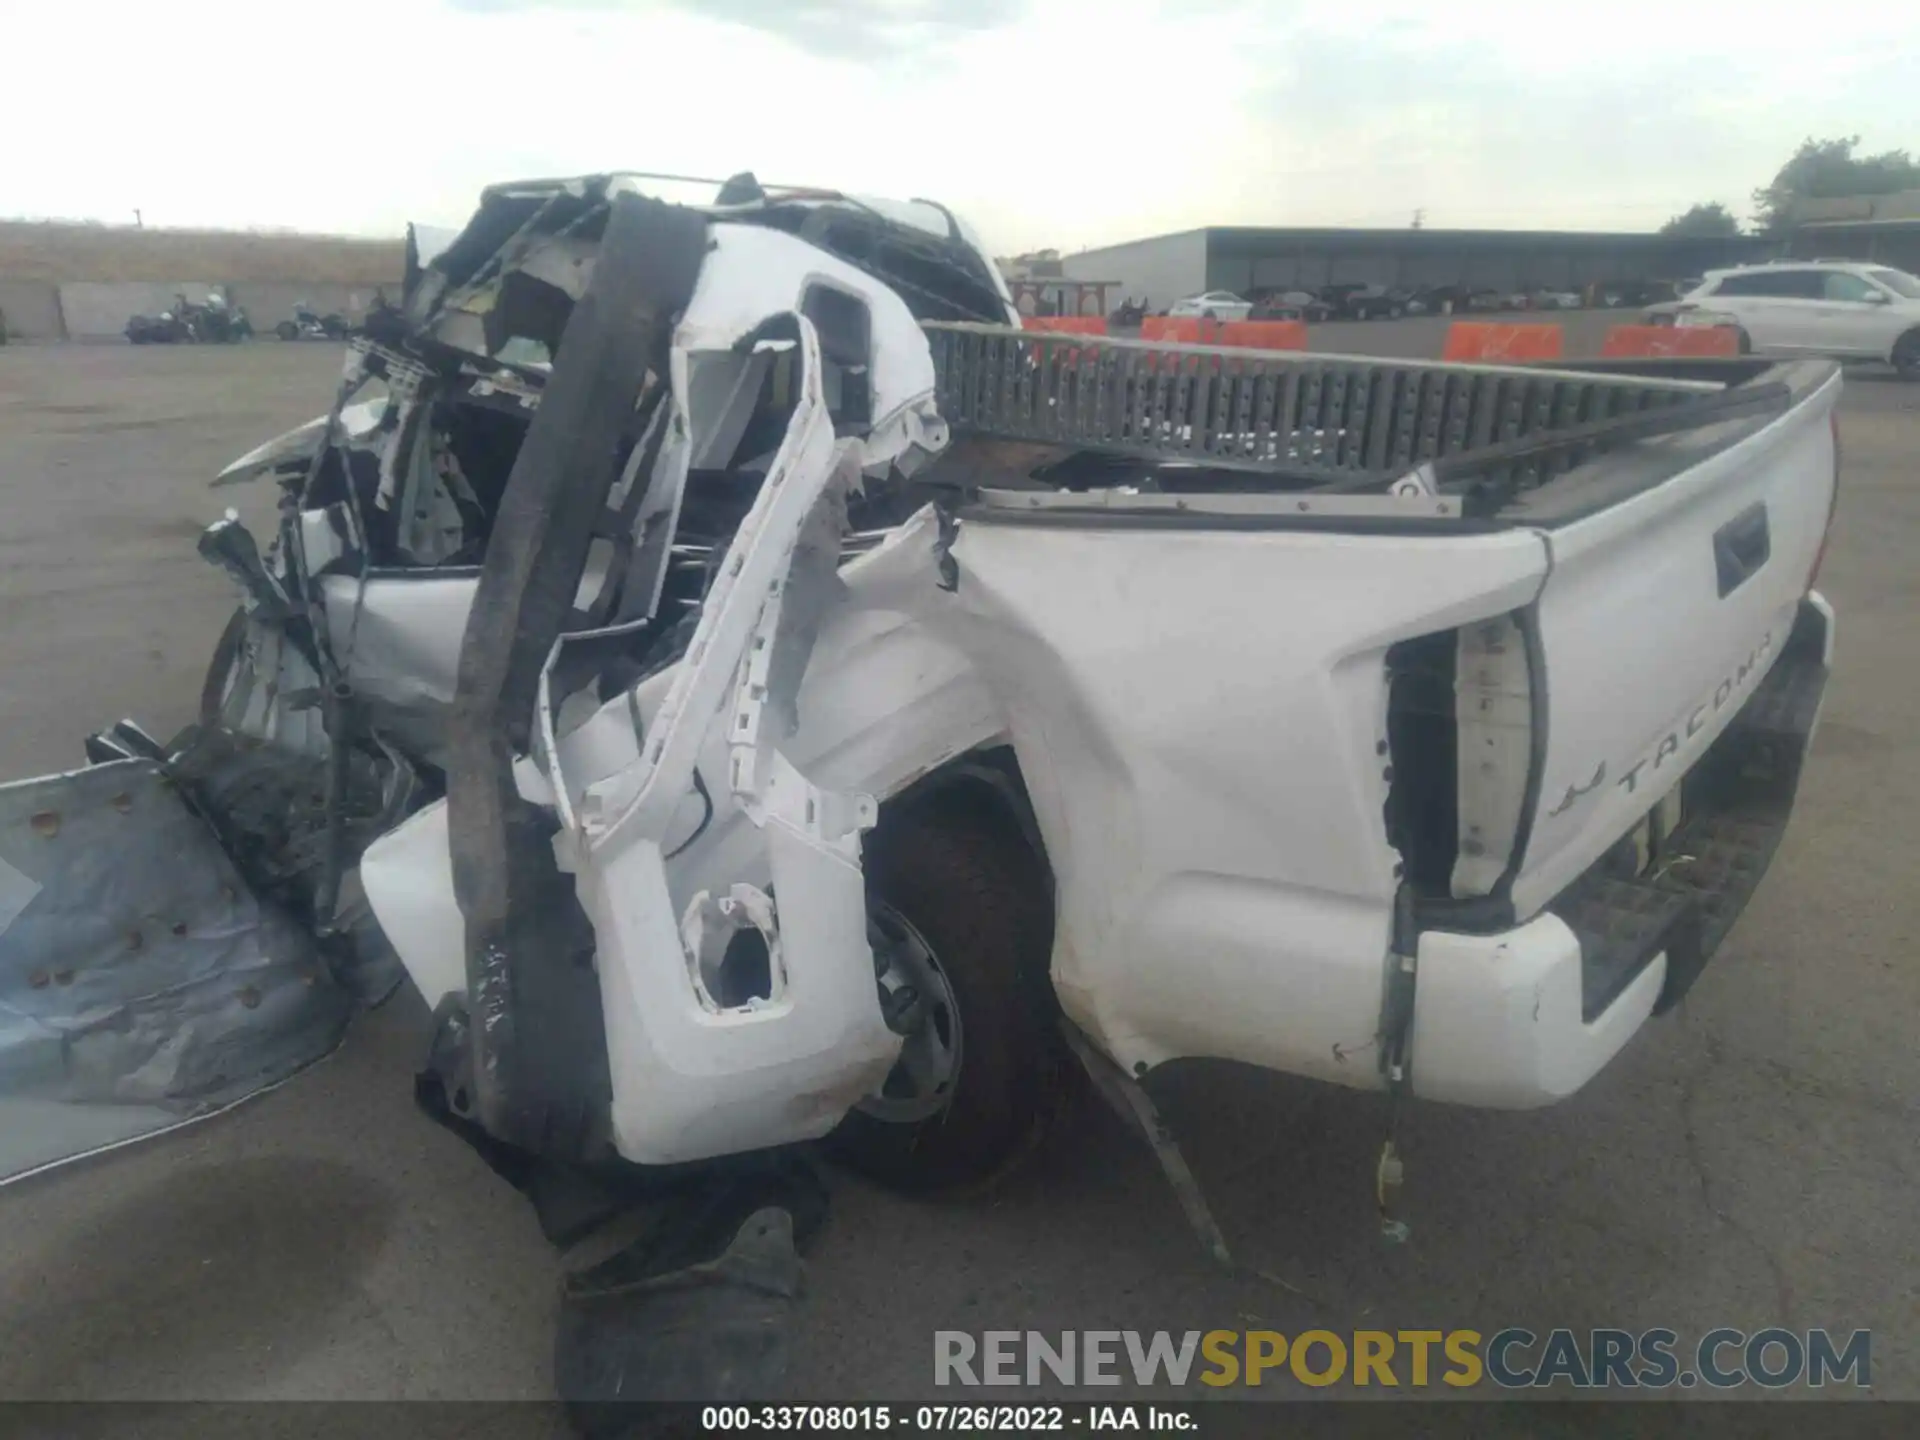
(985, 786)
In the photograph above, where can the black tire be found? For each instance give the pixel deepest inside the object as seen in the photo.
(1906, 356)
(287, 330)
(1209, 316)
(1745, 341)
(961, 873)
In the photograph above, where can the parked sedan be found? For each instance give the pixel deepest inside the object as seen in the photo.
(1213, 305)
(1353, 301)
(1292, 305)
(1556, 300)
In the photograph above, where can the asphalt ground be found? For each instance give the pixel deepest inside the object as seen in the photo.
(1749, 1160)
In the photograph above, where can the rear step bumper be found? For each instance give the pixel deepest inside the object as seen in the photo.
(1526, 1017)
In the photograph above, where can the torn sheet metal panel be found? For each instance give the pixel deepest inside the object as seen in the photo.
(142, 984)
(359, 424)
(755, 272)
(269, 691)
(539, 1078)
(426, 242)
(883, 702)
(692, 1074)
(696, 1074)
(398, 638)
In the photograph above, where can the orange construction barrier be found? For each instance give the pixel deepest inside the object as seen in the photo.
(1181, 329)
(1489, 341)
(1253, 334)
(1177, 330)
(1066, 324)
(1265, 334)
(1687, 340)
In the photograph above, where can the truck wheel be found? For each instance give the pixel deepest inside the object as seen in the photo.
(287, 330)
(960, 915)
(1906, 355)
(1744, 340)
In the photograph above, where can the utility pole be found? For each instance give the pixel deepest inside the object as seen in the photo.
(1419, 218)
(138, 223)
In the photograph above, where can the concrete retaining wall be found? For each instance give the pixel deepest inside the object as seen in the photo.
(97, 310)
(31, 310)
(268, 302)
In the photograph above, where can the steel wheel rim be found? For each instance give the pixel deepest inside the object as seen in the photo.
(922, 1082)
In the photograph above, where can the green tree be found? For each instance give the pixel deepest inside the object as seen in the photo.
(1713, 219)
(1828, 169)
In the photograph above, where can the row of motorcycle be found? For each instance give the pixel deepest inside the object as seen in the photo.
(214, 322)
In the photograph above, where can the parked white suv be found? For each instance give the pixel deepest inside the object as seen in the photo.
(1839, 308)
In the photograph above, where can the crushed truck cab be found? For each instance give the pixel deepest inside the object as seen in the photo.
(758, 694)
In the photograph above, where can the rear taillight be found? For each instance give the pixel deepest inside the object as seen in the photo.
(1833, 504)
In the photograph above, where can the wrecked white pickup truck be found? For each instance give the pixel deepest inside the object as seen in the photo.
(759, 695)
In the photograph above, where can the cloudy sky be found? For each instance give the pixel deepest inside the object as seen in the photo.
(1046, 122)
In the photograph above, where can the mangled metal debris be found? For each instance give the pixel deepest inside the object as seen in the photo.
(546, 580)
(143, 982)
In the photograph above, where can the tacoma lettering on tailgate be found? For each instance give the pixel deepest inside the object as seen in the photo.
(1671, 743)
(1723, 694)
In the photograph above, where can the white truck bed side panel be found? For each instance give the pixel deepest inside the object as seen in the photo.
(1196, 714)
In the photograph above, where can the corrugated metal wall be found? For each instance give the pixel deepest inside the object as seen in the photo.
(1154, 272)
(1253, 260)
(1895, 245)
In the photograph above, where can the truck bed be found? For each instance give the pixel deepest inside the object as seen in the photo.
(1581, 597)
(1143, 418)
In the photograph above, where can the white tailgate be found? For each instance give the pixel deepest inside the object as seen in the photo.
(1646, 662)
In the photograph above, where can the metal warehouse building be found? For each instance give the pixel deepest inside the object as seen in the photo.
(1880, 228)
(1246, 260)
